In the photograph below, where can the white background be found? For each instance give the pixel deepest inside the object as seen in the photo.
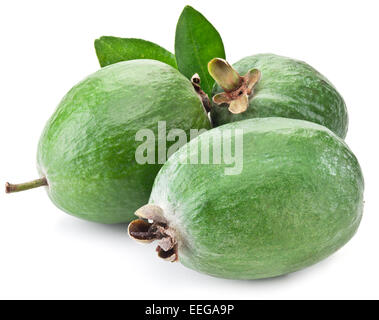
(47, 46)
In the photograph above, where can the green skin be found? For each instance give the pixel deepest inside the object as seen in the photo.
(298, 199)
(87, 149)
(290, 89)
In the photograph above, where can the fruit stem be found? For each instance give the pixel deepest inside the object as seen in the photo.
(195, 80)
(10, 188)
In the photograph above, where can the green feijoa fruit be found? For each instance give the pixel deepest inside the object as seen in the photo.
(267, 85)
(295, 198)
(87, 151)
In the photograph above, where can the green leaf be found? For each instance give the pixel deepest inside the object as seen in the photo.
(111, 50)
(196, 43)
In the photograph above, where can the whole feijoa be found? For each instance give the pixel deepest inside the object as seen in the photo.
(87, 151)
(267, 85)
(296, 198)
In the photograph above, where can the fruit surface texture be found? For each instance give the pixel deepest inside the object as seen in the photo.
(87, 149)
(288, 88)
(298, 199)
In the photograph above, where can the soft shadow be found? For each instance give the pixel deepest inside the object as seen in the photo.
(76, 227)
(115, 235)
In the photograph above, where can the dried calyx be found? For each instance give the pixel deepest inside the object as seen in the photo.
(144, 231)
(237, 89)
